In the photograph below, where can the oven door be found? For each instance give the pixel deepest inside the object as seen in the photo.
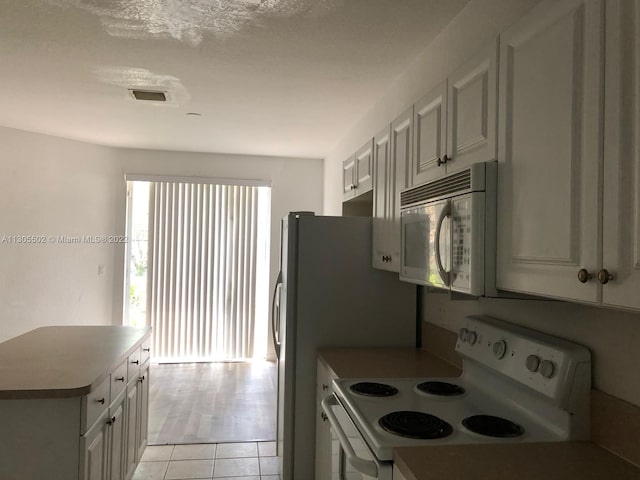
(355, 459)
(426, 244)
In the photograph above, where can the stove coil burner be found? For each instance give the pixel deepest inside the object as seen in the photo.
(443, 389)
(373, 389)
(493, 426)
(415, 425)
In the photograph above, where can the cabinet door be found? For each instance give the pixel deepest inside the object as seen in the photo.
(550, 139)
(117, 439)
(131, 422)
(430, 138)
(384, 177)
(621, 235)
(401, 147)
(471, 110)
(349, 178)
(143, 410)
(364, 168)
(323, 432)
(94, 446)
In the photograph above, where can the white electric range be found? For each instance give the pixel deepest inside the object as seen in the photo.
(517, 385)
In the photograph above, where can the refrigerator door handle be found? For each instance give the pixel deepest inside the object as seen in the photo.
(275, 314)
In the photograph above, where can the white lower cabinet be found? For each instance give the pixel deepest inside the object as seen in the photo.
(111, 449)
(94, 447)
(143, 410)
(326, 454)
(131, 421)
(117, 439)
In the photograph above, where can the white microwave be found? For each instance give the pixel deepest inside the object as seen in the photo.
(448, 231)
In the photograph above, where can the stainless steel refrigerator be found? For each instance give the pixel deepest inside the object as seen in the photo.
(327, 295)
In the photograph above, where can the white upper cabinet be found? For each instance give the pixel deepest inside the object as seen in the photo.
(455, 123)
(401, 148)
(430, 136)
(471, 110)
(349, 177)
(364, 168)
(392, 154)
(621, 226)
(550, 150)
(357, 172)
(383, 194)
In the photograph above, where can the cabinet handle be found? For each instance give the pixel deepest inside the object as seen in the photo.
(100, 401)
(141, 379)
(604, 276)
(136, 362)
(324, 416)
(584, 276)
(111, 421)
(446, 158)
(440, 162)
(146, 349)
(119, 379)
(324, 386)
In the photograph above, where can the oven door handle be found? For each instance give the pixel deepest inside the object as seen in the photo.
(364, 466)
(446, 212)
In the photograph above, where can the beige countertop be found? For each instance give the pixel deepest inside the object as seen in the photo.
(525, 461)
(63, 361)
(385, 363)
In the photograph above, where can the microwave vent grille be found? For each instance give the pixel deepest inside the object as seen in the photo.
(451, 184)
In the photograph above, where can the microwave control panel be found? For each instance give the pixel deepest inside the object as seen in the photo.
(467, 243)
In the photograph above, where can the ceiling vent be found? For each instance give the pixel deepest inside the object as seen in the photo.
(149, 95)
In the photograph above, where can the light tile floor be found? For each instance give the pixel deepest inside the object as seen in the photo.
(233, 461)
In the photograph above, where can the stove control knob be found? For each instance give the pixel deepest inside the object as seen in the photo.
(499, 349)
(462, 334)
(533, 363)
(472, 338)
(547, 368)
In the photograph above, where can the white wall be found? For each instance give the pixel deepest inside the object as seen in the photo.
(612, 336)
(51, 186)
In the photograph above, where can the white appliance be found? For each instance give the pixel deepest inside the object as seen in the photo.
(327, 295)
(517, 385)
(448, 231)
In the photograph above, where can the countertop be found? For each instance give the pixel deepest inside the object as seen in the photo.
(63, 361)
(385, 363)
(526, 461)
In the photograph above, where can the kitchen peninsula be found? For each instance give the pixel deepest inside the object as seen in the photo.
(74, 402)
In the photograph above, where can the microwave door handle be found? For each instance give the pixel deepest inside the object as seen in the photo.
(446, 212)
(367, 467)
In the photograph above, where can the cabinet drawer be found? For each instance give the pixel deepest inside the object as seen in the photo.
(118, 380)
(95, 404)
(133, 366)
(146, 350)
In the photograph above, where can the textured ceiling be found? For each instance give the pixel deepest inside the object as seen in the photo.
(270, 77)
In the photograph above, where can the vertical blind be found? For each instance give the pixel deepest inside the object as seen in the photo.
(202, 270)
